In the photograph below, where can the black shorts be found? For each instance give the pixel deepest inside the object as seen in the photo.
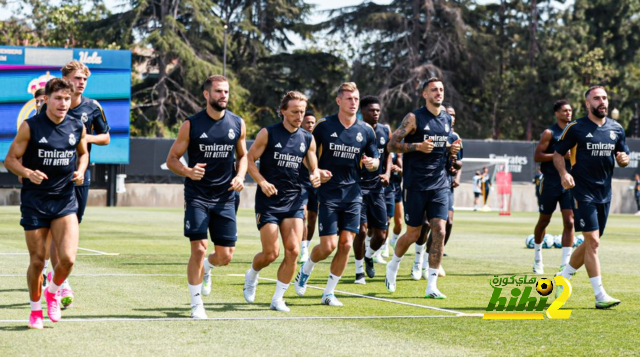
(38, 210)
(82, 195)
(433, 203)
(549, 199)
(219, 219)
(334, 217)
(591, 216)
(477, 194)
(276, 218)
(374, 210)
(312, 199)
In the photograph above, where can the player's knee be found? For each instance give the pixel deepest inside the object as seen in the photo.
(291, 251)
(593, 242)
(67, 262)
(270, 256)
(37, 264)
(345, 246)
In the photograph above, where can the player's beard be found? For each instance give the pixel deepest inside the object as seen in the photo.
(215, 105)
(595, 111)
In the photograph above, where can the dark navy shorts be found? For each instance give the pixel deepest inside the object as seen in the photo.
(334, 217)
(374, 210)
(450, 200)
(390, 201)
(311, 196)
(433, 203)
(37, 210)
(82, 195)
(276, 218)
(219, 219)
(589, 216)
(549, 199)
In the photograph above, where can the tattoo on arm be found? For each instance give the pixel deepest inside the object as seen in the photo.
(406, 128)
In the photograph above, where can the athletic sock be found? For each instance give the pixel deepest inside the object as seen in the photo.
(394, 264)
(36, 305)
(304, 244)
(538, 250)
(394, 238)
(367, 241)
(196, 296)
(252, 274)
(425, 261)
(598, 289)
(359, 266)
(432, 279)
(568, 272)
(566, 255)
(419, 253)
(307, 267)
(207, 266)
(46, 265)
(369, 252)
(65, 284)
(331, 284)
(53, 287)
(281, 288)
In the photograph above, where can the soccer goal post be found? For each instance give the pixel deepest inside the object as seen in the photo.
(485, 185)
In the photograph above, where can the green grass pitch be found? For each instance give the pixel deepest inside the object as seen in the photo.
(137, 303)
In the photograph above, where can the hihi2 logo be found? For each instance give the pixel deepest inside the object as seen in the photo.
(520, 305)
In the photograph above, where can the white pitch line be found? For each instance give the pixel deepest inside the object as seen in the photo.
(97, 251)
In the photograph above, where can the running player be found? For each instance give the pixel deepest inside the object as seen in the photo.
(486, 188)
(44, 153)
(390, 193)
(310, 196)
(281, 149)
(595, 142)
(551, 191)
(396, 181)
(636, 191)
(477, 189)
(373, 213)
(210, 138)
(425, 182)
(344, 145)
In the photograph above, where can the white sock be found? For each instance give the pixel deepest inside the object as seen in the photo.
(46, 265)
(252, 274)
(394, 264)
(369, 252)
(331, 284)
(52, 287)
(420, 253)
(598, 289)
(307, 267)
(394, 237)
(36, 305)
(196, 296)
(304, 244)
(207, 266)
(537, 248)
(281, 288)
(367, 241)
(432, 279)
(568, 272)
(359, 266)
(65, 284)
(566, 255)
(425, 261)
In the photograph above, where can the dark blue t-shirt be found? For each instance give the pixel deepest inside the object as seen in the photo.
(52, 150)
(213, 142)
(340, 151)
(370, 180)
(424, 172)
(549, 172)
(593, 152)
(280, 165)
(452, 138)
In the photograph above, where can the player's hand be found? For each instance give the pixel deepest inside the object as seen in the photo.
(196, 173)
(325, 176)
(567, 156)
(396, 168)
(455, 183)
(370, 163)
(315, 179)
(237, 184)
(37, 176)
(455, 147)
(78, 178)
(426, 146)
(384, 178)
(622, 158)
(268, 189)
(567, 181)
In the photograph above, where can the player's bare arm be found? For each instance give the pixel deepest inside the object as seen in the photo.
(13, 160)
(237, 184)
(99, 139)
(539, 154)
(407, 127)
(312, 164)
(255, 153)
(567, 179)
(83, 159)
(177, 150)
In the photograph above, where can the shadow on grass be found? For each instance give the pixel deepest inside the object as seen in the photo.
(14, 306)
(15, 328)
(13, 290)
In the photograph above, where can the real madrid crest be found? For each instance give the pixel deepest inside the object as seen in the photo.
(302, 147)
(359, 137)
(84, 117)
(612, 135)
(72, 139)
(382, 141)
(232, 134)
(446, 128)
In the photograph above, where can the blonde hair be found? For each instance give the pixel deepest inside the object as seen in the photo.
(347, 87)
(75, 66)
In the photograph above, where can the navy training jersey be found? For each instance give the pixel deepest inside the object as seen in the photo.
(459, 156)
(340, 151)
(213, 142)
(549, 172)
(370, 181)
(593, 151)
(52, 150)
(304, 174)
(424, 172)
(281, 165)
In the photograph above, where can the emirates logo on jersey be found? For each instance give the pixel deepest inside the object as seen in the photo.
(232, 134)
(302, 147)
(359, 137)
(72, 139)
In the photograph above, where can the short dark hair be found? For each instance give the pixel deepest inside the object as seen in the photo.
(559, 104)
(215, 78)
(57, 84)
(309, 112)
(586, 94)
(425, 84)
(447, 105)
(38, 93)
(368, 100)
